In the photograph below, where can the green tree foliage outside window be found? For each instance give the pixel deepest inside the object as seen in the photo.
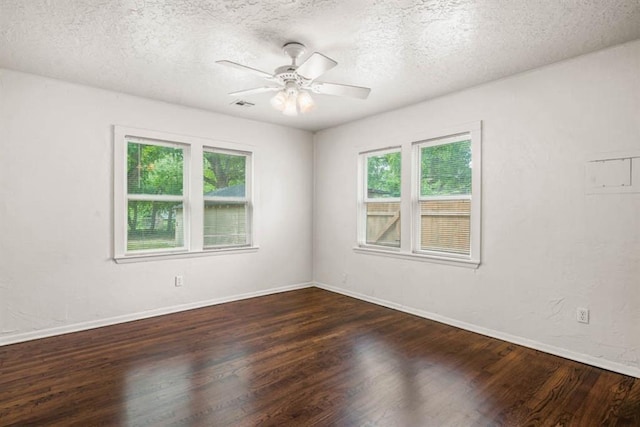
(222, 170)
(446, 169)
(153, 170)
(383, 175)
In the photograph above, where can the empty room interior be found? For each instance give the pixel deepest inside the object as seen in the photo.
(320, 213)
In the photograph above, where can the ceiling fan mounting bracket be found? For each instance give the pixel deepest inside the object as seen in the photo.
(294, 50)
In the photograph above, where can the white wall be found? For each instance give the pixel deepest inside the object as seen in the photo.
(547, 247)
(56, 156)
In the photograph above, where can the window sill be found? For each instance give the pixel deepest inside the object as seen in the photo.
(467, 263)
(126, 259)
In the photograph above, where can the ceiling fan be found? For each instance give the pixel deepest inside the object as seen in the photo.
(294, 82)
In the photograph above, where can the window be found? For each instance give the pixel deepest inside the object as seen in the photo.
(381, 198)
(440, 196)
(177, 195)
(155, 195)
(443, 208)
(227, 209)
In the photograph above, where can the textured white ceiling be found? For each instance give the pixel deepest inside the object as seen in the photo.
(406, 51)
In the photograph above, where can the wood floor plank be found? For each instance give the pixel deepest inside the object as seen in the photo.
(301, 358)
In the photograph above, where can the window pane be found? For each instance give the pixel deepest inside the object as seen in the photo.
(225, 224)
(383, 175)
(154, 225)
(445, 226)
(383, 224)
(446, 169)
(224, 174)
(153, 169)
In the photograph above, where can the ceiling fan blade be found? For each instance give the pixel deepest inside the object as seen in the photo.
(247, 69)
(340, 90)
(256, 90)
(315, 66)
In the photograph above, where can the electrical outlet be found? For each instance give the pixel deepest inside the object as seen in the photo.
(179, 281)
(582, 315)
(345, 277)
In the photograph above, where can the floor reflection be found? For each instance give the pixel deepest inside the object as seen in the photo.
(194, 387)
(392, 386)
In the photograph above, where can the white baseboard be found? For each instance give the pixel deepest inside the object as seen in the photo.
(557, 351)
(76, 327)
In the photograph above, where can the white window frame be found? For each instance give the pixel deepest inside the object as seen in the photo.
(248, 188)
(410, 185)
(364, 199)
(192, 197)
(417, 198)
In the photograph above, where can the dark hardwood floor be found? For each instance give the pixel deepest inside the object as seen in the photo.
(301, 358)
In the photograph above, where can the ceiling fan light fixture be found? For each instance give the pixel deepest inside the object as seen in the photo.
(305, 102)
(292, 100)
(290, 106)
(279, 100)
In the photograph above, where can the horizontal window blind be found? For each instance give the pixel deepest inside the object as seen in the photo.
(444, 206)
(445, 225)
(227, 209)
(155, 188)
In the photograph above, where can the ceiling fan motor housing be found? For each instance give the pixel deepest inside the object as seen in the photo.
(287, 73)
